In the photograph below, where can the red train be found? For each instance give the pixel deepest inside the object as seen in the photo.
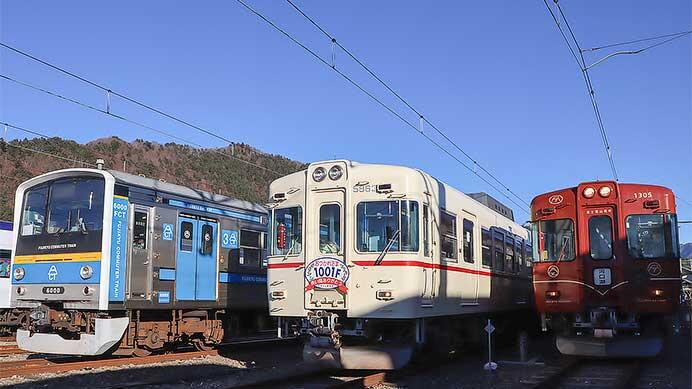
(607, 271)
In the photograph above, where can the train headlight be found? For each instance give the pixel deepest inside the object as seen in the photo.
(589, 192)
(552, 294)
(335, 173)
(319, 174)
(657, 292)
(385, 295)
(86, 272)
(21, 290)
(18, 273)
(604, 191)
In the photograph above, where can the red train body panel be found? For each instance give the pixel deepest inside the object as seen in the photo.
(607, 266)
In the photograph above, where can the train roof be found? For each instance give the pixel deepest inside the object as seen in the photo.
(194, 194)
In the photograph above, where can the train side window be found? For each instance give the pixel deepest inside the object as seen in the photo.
(600, 237)
(34, 213)
(330, 228)
(468, 241)
(499, 251)
(518, 255)
(186, 236)
(5, 264)
(139, 231)
(448, 236)
(509, 255)
(426, 230)
(486, 244)
(207, 239)
(250, 251)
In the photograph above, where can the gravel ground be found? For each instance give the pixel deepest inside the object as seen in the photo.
(671, 370)
(204, 372)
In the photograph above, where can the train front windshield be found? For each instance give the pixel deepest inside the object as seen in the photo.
(652, 236)
(66, 209)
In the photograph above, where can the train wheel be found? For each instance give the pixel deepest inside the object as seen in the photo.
(141, 352)
(200, 346)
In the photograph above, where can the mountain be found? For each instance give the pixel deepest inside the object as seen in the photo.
(206, 169)
(686, 250)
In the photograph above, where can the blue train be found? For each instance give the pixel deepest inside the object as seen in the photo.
(110, 262)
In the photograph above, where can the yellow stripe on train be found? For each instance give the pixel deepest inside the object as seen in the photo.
(67, 257)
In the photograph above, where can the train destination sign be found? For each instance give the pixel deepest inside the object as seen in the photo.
(327, 273)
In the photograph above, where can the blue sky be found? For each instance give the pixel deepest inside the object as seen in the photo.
(495, 76)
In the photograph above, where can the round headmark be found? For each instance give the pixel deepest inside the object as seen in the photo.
(553, 271)
(326, 273)
(555, 199)
(654, 269)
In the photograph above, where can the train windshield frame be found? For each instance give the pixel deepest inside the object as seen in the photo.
(287, 231)
(652, 236)
(65, 205)
(554, 240)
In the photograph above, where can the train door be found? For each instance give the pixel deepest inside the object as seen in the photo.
(599, 227)
(429, 244)
(140, 279)
(470, 233)
(186, 258)
(196, 255)
(205, 281)
(326, 278)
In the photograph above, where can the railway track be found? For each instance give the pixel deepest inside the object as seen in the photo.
(62, 364)
(592, 374)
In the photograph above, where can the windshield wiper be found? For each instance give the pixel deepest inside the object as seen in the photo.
(387, 247)
(290, 250)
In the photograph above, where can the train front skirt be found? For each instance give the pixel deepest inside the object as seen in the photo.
(107, 334)
(622, 346)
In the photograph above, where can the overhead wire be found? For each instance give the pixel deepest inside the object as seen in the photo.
(675, 35)
(379, 102)
(587, 80)
(133, 122)
(404, 101)
(123, 96)
(42, 152)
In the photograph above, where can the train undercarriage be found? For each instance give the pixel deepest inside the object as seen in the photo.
(12, 319)
(606, 332)
(134, 332)
(389, 344)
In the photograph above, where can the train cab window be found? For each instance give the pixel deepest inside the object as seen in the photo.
(34, 213)
(5, 264)
(250, 251)
(387, 223)
(518, 255)
(468, 241)
(287, 228)
(509, 255)
(556, 240)
(498, 251)
(486, 244)
(187, 233)
(448, 236)
(330, 228)
(652, 236)
(207, 243)
(139, 231)
(75, 205)
(601, 237)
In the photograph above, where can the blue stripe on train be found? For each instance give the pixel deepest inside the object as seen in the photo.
(58, 273)
(236, 278)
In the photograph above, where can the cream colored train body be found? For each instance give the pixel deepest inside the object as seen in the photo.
(384, 256)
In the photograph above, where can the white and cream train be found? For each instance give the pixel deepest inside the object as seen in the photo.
(372, 262)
